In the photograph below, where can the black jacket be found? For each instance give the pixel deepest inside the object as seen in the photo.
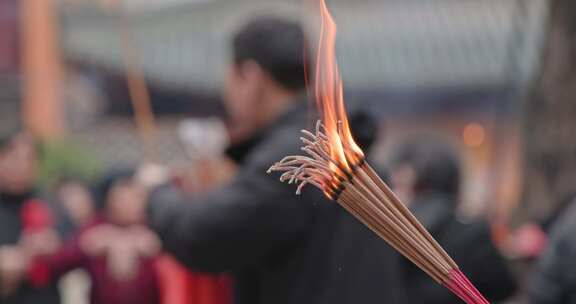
(471, 247)
(10, 231)
(555, 278)
(281, 248)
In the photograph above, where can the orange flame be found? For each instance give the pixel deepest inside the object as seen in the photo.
(330, 95)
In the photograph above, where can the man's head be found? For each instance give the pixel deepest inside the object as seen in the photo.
(266, 73)
(426, 165)
(18, 160)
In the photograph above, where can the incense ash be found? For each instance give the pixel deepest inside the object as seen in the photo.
(335, 164)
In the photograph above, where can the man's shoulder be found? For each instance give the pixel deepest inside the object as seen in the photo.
(282, 142)
(565, 229)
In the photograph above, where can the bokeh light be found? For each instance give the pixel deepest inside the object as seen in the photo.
(474, 135)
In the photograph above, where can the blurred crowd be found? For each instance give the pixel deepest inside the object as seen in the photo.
(224, 231)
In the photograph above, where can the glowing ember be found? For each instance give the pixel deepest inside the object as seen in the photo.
(336, 165)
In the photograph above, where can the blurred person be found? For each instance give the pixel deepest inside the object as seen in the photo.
(554, 281)
(530, 240)
(430, 169)
(280, 248)
(76, 199)
(116, 249)
(26, 224)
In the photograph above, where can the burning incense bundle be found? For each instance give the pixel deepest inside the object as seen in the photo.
(336, 165)
(357, 188)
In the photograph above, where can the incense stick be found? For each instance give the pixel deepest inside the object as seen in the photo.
(359, 190)
(336, 165)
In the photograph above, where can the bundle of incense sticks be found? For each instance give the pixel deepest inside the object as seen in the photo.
(337, 166)
(361, 192)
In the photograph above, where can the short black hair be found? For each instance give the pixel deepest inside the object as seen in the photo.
(435, 162)
(278, 46)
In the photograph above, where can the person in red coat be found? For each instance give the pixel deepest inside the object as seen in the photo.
(116, 249)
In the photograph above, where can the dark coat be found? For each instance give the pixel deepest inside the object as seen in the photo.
(555, 278)
(10, 232)
(471, 247)
(280, 248)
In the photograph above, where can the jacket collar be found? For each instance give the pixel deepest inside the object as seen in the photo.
(298, 113)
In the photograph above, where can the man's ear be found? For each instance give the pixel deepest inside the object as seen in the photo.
(252, 72)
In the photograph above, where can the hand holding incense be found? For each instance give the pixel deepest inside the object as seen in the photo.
(336, 165)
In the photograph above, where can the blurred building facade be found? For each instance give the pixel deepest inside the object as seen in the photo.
(416, 64)
(436, 65)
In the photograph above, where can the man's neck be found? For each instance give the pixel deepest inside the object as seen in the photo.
(275, 102)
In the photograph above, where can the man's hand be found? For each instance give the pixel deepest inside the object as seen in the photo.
(206, 174)
(216, 171)
(152, 175)
(13, 266)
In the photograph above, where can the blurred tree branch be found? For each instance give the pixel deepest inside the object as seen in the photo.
(550, 118)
